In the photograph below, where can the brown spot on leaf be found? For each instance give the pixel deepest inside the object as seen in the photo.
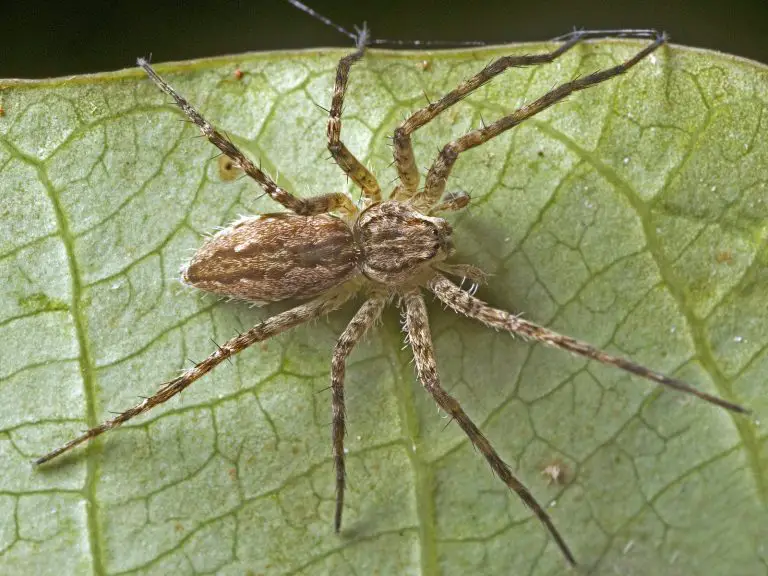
(227, 169)
(724, 257)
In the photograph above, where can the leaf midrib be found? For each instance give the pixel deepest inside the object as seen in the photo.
(87, 367)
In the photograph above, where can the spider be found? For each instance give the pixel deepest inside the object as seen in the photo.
(325, 250)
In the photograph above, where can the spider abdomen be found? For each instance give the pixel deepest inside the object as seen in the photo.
(272, 257)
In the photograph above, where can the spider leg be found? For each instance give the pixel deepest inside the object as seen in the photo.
(360, 323)
(266, 329)
(441, 168)
(467, 271)
(303, 206)
(452, 202)
(464, 303)
(417, 327)
(351, 166)
(403, 148)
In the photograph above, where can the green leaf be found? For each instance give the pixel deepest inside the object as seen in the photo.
(634, 216)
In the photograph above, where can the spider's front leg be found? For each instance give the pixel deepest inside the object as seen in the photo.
(417, 328)
(302, 206)
(435, 185)
(405, 161)
(351, 166)
(263, 331)
(464, 303)
(443, 164)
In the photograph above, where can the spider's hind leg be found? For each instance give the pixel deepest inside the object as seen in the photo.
(302, 206)
(267, 329)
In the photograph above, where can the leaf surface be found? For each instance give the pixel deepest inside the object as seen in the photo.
(634, 216)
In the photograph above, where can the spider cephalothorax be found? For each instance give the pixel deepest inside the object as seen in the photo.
(385, 248)
(396, 243)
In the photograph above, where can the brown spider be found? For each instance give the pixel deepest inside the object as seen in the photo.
(391, 249)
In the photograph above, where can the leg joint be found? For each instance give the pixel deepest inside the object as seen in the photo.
(449, 153)
(401, 135)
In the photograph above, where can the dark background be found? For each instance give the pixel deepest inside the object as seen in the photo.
(40, 39)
